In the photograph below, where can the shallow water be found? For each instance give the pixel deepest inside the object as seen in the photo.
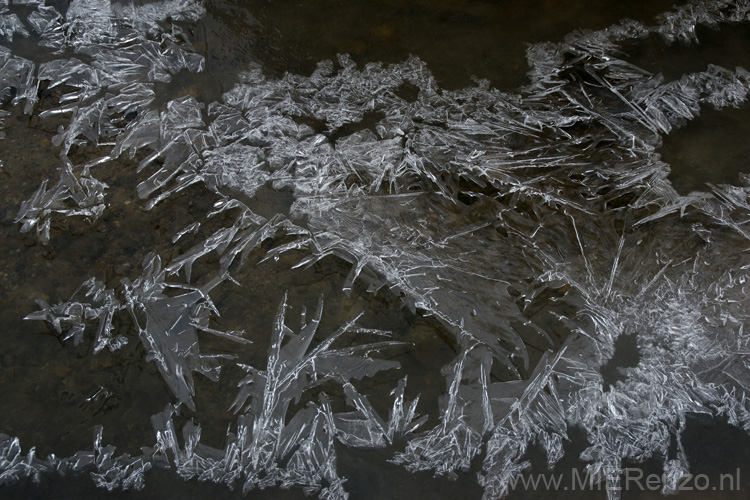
(55, 392)
(458, 40)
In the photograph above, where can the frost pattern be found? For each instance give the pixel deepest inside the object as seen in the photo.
(536, 227)
(167, 325)
(70, 196)
(126, 55)
(72, 316)
(266, 437)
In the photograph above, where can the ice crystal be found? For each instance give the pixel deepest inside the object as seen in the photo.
(536, 228)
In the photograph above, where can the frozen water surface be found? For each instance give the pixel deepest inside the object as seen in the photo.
(536, 236)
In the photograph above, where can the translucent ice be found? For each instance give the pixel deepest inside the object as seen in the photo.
(535, 228)
(70, 196)
(167, 325)
(10, 25)
(273, 445)
(125, 58)
(73, 316)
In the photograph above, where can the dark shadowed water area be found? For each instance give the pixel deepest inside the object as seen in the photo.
(458, 40)
(55, 392)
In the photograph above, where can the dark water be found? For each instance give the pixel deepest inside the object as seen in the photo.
(48, 386)
(458, 39)
(708, 149)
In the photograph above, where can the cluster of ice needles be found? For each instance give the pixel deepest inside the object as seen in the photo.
(535, 228)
